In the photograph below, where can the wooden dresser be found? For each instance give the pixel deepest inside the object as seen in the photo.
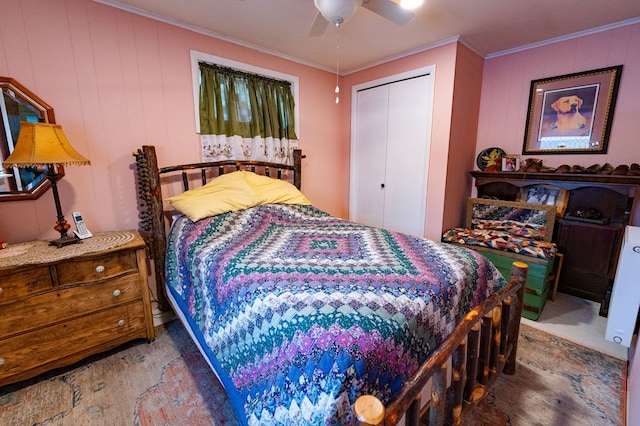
(61, 305)
(590, 249)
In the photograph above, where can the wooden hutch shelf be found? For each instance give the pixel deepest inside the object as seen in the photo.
(590, 249)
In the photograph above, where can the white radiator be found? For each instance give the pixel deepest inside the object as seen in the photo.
(625, 297)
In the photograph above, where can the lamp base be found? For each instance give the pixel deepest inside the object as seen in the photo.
(65, 241)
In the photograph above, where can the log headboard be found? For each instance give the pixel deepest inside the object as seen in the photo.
(150, 202)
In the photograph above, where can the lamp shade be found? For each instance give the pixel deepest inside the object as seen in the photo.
(42, 144)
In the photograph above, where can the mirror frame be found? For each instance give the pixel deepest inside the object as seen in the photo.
(48, 117)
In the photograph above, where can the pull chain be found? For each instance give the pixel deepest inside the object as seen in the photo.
(337, 64)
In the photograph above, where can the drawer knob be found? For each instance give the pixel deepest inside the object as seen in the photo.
(1, 291)
(99, 269)
(121, 323)
(116, 293)
(1, 361)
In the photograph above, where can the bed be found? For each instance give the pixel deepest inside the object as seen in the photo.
(307, 318)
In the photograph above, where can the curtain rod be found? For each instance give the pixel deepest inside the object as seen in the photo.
(244, 74)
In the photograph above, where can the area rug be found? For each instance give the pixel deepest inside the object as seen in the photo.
(556, 383)
(167, 382)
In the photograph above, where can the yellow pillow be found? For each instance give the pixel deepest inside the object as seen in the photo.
(227, 193)
(275, 191)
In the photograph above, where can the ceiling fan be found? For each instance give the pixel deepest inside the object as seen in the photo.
(340, 11)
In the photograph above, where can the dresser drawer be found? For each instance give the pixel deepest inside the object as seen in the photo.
(24, 282)
(28, 354)
(90, 269)
(58, 305)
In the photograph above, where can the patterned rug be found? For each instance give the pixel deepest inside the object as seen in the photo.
(167, 382)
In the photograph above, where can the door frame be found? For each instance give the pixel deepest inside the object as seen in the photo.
(427, 70)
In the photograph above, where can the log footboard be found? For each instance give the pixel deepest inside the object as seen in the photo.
(482, 345)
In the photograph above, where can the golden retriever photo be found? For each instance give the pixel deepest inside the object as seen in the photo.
(568, 112)
(568, 115)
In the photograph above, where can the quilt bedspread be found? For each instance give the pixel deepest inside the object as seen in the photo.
(500, 240)
(300, 312)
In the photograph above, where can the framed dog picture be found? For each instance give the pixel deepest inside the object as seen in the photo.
(572, 113)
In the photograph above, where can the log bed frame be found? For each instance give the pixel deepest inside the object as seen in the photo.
(482, 346)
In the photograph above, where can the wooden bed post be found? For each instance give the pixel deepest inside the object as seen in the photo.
(297, 164)
(151, 216)
(368, 411)
(519, 272)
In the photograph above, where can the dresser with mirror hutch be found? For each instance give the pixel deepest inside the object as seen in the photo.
(590, 245)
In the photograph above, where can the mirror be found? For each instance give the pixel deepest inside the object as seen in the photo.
(18, 104)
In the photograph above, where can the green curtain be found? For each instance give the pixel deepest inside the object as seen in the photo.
(235, 103)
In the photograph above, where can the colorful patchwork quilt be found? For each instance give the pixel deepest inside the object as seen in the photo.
(500, 240)
(505, 227)
(300, 312)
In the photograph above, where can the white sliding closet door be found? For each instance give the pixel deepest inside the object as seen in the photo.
(390, 152)
(367, 202)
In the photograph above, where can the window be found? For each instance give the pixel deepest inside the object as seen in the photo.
(244, 139)
(197, 57)
(236, 103)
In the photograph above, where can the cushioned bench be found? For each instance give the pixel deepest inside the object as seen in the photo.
(505, 231)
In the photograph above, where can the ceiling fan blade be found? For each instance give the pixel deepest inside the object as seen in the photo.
(389, 10)
(318, 26)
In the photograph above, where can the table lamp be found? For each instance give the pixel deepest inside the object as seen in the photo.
(43, 144)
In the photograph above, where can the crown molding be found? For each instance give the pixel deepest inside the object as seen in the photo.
(276, 53)
(203, 31)
(564, 38)
(404, 54)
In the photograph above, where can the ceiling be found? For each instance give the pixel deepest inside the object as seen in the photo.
(490, 27)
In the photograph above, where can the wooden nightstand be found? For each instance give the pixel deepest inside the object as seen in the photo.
(61, 305)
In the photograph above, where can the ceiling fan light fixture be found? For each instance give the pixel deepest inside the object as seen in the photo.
(411, 4)
(337, 11)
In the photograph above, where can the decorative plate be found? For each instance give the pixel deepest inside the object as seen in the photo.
(489, 157)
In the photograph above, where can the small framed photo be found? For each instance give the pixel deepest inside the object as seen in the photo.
(546, 194)
(510, 163)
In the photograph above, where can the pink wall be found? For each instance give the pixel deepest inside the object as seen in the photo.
(507, 79)
(461, 159)
(117, 81)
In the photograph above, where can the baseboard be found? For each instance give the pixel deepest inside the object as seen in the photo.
(160, 316)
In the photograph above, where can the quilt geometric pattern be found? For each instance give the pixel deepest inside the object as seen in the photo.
(300, 312)
(500, 240)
